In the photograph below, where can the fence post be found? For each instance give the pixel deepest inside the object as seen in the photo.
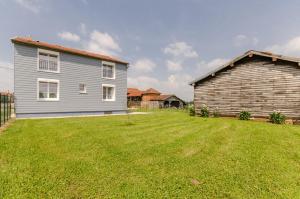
(4, 110)
(6, 107)
(7, 111)
(9, 106)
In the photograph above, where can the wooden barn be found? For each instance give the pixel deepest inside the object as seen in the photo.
(258, 82)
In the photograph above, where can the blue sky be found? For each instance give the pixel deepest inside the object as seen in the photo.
(167, 42)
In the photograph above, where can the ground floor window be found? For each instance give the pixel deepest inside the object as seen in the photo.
(82, 88)
(48, 89)
(108, 92)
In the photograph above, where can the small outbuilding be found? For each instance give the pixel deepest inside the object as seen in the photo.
(151, 98)
(257, 82)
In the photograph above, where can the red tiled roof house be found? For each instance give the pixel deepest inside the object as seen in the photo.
(152, 98)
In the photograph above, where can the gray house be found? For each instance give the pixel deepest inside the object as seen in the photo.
(258, 82)
(52, 80)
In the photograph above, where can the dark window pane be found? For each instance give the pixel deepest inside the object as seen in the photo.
(107, 71)
(43, 89)
(104, 92)
(53, 88)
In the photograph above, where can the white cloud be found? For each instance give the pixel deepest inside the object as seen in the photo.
(291, 47)
(243, 40)
(174, 65)
(204, 67)
(32, 5)
(69, 36)
(213, 63)
(143, 82)
(101, 42)
(178, 84)
(180, 49)
(176, 81)
(180, 52)
(144, 65)
(6, 76)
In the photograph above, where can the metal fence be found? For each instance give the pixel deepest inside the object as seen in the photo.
(6, 107)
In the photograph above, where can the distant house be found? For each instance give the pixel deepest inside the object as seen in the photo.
(258, 82)
(152, 98)
(134, 96)
(52, 80)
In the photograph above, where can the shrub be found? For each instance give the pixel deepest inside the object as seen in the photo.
(216, 113)
(191, 110)
(244, 115)
(204, 111)
(277, 118)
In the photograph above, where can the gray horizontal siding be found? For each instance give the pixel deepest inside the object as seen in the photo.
(257, 85)
(73, 70)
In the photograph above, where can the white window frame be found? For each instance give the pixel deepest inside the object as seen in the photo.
(48, 52)
(84, 91)
(113, 68)
(48, 81)
(114, 93)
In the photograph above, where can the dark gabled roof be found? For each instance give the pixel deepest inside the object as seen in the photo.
(249, 53)
(30, 42)
(165, 97)
(161, 97)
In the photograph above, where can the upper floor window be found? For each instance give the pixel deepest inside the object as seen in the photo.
(108, 70)
(48, 61)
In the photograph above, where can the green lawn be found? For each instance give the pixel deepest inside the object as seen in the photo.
(166, 154)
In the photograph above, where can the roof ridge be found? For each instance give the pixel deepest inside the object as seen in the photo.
(247, 53)
(30, 41)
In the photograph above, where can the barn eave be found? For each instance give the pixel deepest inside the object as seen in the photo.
(249, 53)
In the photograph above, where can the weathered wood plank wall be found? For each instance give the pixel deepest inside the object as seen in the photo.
(256, 84)
(150, 104)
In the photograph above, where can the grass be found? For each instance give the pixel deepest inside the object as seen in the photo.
(166, 154)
